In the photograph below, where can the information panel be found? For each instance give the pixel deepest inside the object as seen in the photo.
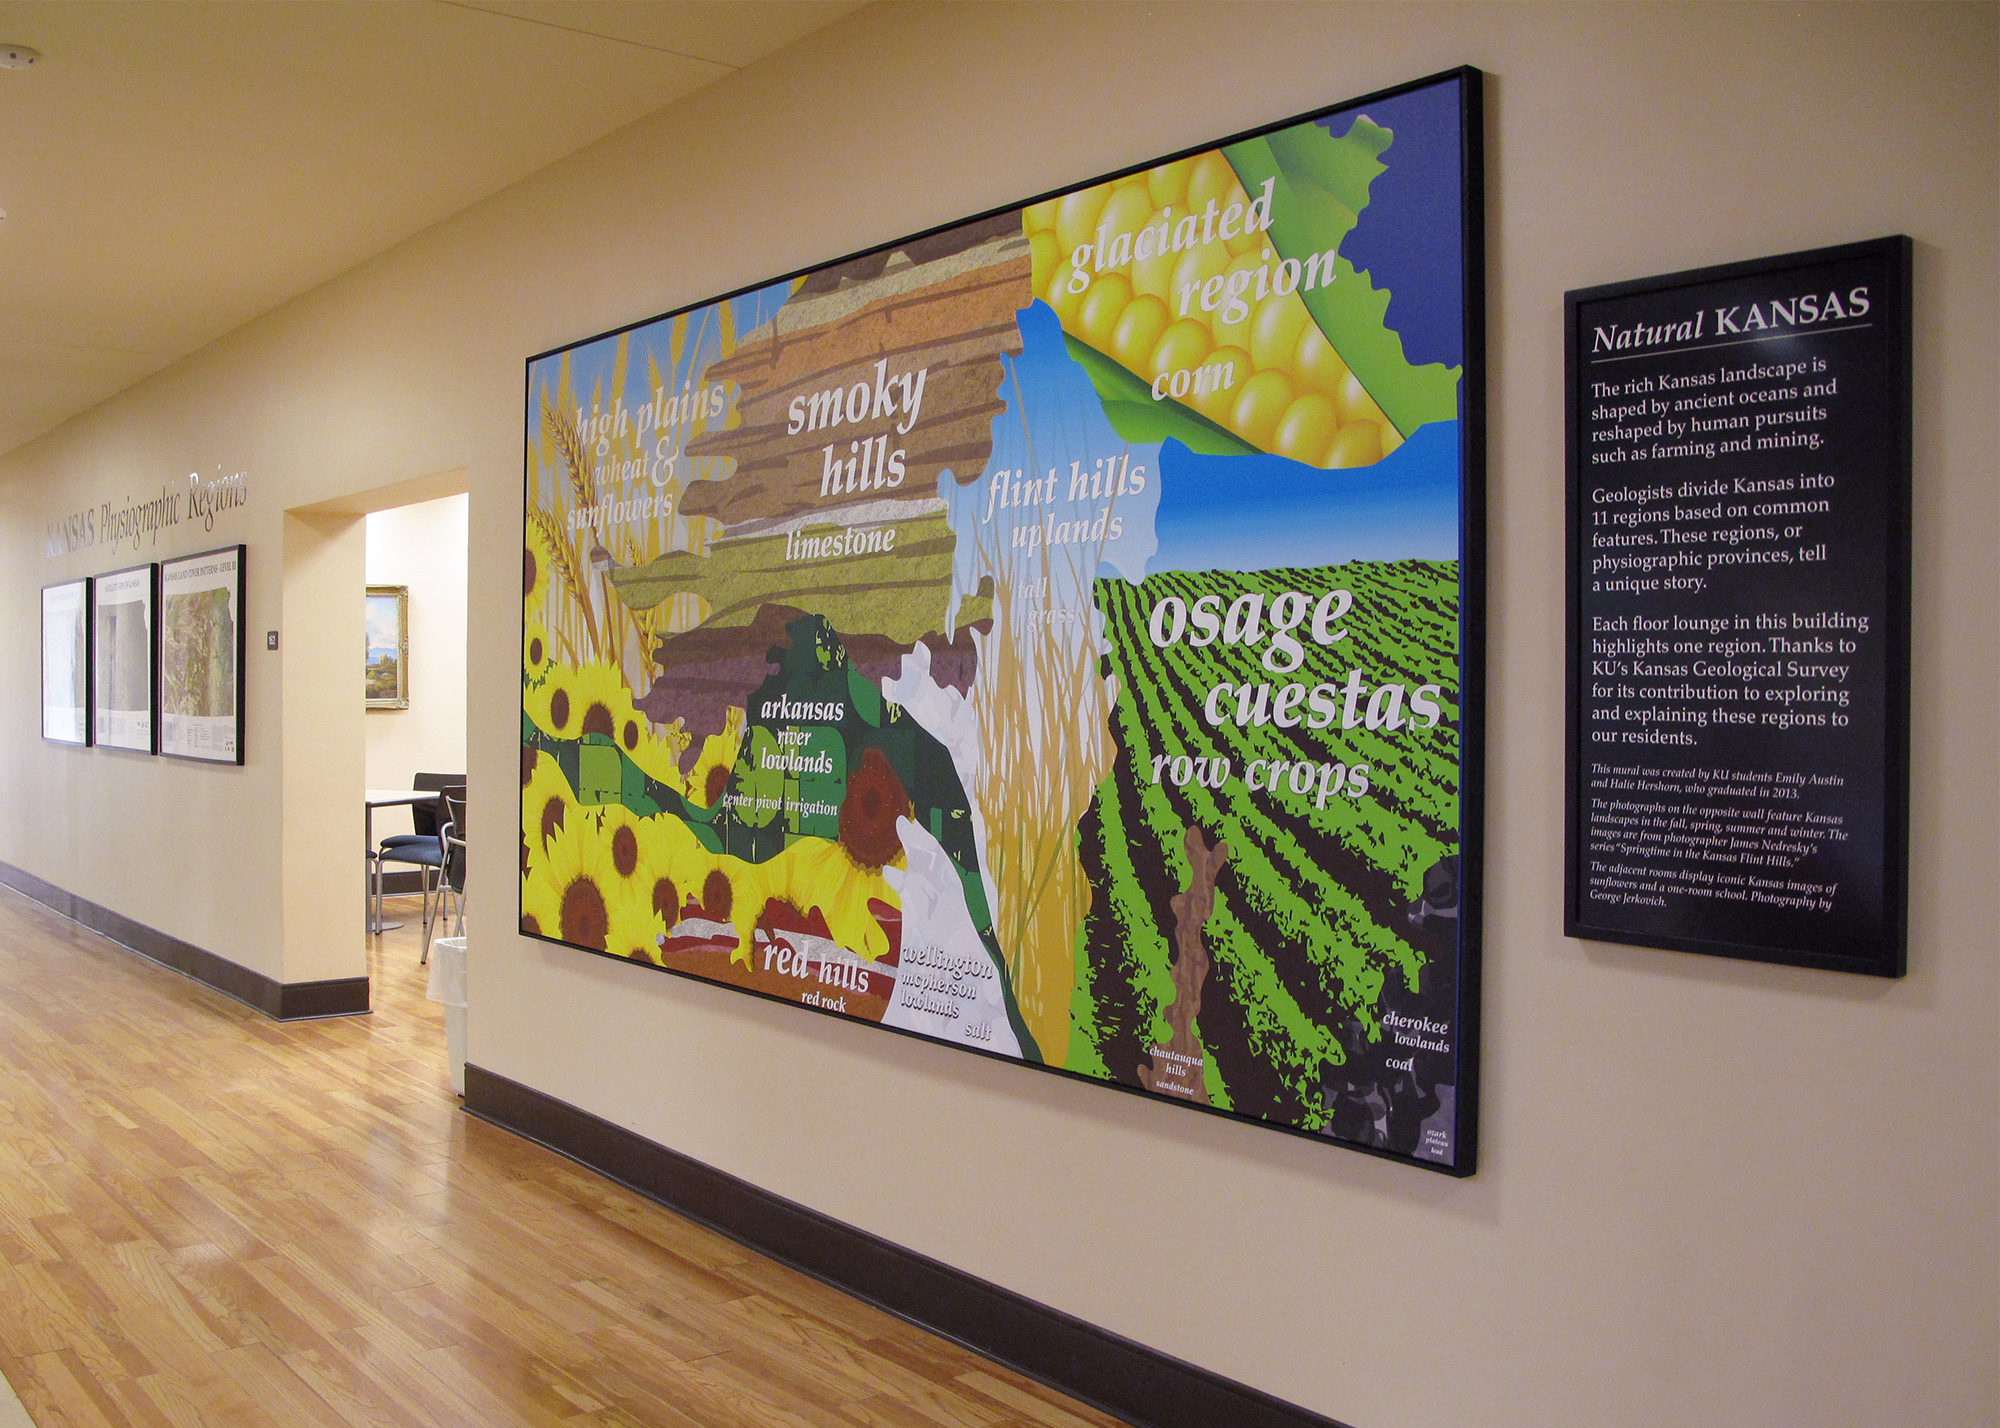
(1055, 635)
(1739, 493)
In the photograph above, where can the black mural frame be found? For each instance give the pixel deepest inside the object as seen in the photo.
(89, 662)
(160, 649)
(152, 569)
(1892, 551)
(1472, 599)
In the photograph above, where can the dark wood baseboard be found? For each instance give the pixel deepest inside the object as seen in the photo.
(1126, 1379)
(281, 1001)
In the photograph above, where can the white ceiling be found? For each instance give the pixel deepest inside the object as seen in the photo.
(173, 168)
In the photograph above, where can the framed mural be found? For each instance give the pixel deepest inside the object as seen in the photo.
(124, 695)
(388, 646)
(201, 656)
(1057, 634)
(66, 662)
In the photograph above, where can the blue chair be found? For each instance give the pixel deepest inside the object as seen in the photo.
(425, 849)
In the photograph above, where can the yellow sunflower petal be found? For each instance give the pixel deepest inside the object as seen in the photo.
(536, 653)
(819, 873)
(547, 804)
(657, 751)
(541, 909)
(535, 562)
(718, 751)
(636, 931)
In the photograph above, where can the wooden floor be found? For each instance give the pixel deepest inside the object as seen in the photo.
(210, 1218)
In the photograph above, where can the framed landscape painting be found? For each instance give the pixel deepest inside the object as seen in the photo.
(388, 646)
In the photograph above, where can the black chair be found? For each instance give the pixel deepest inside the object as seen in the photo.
(454, 855)
(423, 849)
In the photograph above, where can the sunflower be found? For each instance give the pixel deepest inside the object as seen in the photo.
(551, 704)
(875, 800)
(541, 914)
(536, 655)
(735, 892)
(817, 873)
(636, 931)
(622, 833)
(676, 861)
(536, 561)
(548, 805)
(601, 701)
(541, 910)
(708, 780)
(571, 885)
(658, 755)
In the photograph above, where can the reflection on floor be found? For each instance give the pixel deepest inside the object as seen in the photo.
(210, 1218)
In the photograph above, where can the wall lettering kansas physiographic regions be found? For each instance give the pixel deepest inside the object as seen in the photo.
(139, 523)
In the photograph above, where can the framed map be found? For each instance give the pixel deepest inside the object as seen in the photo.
(66, 662)
(201, 656)
(1057, 634)
(123, 694)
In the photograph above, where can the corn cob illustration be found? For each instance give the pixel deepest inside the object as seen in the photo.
(1171, 274)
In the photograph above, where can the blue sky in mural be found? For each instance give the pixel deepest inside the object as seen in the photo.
(1267, 513)
(1407, 239)
(591, 363)
(1053, 422)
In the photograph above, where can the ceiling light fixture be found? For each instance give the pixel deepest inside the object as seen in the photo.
(18, 57)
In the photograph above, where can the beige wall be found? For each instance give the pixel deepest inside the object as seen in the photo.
(1711, 1192)
(422, 546)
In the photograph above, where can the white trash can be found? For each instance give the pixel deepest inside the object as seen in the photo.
(448, 986)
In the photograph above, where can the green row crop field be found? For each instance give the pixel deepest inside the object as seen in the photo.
(1308, 929)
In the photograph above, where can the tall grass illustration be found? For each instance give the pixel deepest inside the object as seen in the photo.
(1043, 716)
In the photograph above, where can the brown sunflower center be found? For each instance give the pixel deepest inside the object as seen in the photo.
(717, 897)
(625, 851)
(559, 709)
(718, 780)
(552, 818)
(527, 573)
(597, 720)
(667, 900)
(875, 800)
(535, 650)
(585, 919)
(631, 735)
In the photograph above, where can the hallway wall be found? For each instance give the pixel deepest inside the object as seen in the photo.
(1710, 1192)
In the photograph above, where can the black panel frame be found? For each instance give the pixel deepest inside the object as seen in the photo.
(1894, 552)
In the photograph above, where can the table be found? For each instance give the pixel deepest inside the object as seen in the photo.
(373, 799)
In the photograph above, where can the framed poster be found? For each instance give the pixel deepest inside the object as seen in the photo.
(1056, 635)
(66, 662)
(123, 690)
(388, 653)
(201, 656)
(1739, 609)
